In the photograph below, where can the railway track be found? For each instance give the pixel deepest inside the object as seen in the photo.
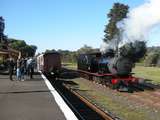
(142, 87)
(82, 108)
(132, 88)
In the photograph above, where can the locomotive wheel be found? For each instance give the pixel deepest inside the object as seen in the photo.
(124, 88)
(107, 81)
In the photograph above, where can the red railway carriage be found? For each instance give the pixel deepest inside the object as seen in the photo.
(49, 63)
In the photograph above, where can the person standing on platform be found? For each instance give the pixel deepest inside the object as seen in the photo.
(29, 60)
(11, 68)
(18, 71)
(31, 70)
(30, 67)
(22, 68)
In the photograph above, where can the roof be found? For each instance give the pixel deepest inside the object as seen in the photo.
(6, 51)
(92, 53)
(53, 52)
(2, 52)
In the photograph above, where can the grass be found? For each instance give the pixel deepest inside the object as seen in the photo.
(118, 109)
(72, 66)
(149, 73)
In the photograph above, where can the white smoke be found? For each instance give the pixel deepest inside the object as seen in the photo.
(110, 45)
(139, 22)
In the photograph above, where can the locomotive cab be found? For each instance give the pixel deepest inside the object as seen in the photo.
(89, 62)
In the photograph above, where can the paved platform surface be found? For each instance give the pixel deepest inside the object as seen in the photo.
(27, 100)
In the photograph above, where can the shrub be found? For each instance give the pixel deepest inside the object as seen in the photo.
(152, 59)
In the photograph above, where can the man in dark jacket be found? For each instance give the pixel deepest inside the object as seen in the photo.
(30, 67)
(11, 68)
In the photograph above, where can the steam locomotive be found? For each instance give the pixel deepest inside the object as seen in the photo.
(113, 68)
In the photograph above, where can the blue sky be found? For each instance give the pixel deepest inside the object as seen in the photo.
(58, 24)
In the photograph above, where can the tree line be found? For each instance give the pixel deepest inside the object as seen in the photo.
(151, 58)
(68, 56)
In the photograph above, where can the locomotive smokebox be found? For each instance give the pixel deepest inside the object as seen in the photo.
(130, 53)
(120, 66)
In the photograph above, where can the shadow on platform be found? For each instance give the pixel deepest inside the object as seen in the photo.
(19, 92)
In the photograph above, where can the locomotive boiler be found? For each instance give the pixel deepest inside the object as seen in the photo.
(97, 63)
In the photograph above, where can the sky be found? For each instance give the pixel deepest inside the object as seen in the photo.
(59, 24)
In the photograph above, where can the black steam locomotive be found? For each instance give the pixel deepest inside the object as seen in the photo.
(97, 63)
(115, 65)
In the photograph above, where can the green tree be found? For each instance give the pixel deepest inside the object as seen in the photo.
(68, 56)
(25, 49)
(86, 49)
(152, 59)
(116, 14)
(30, 50)
(50, 51)
(152, 56)
(158, 61)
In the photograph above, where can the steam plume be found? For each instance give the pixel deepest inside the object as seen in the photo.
(141, 20)
(138, 24)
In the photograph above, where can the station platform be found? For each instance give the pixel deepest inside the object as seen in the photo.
(27, 100)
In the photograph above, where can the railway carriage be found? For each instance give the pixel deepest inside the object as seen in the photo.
(49, 63)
